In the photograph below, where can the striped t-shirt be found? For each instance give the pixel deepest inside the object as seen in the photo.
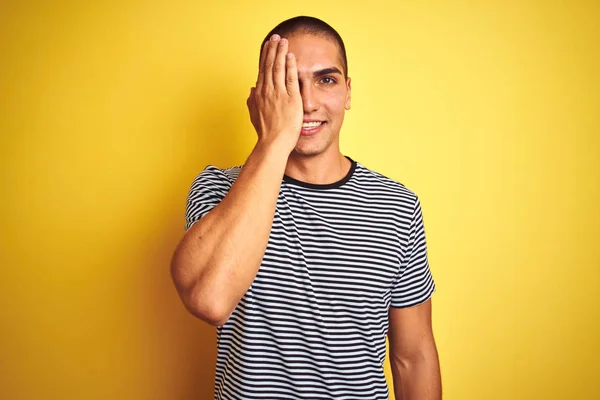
(314, 321)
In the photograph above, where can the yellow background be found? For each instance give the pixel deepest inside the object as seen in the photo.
(490, 111)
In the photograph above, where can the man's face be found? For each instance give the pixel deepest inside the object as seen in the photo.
(325, 92)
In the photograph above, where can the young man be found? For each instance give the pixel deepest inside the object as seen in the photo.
(303, 258)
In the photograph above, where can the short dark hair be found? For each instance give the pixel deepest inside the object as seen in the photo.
(313, 26)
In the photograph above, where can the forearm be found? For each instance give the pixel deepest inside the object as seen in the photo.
(417, 377)
(219, 256)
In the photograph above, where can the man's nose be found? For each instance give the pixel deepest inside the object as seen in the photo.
(309, 99)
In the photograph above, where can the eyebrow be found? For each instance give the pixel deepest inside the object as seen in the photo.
(326, 71)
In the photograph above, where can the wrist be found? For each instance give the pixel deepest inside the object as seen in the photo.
(280, 146)
(273, 152)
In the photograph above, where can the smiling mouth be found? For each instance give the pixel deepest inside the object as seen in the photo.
(310, 128)
(312, 124)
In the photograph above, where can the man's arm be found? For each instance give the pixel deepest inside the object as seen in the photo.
(413, 354)
(219, 256)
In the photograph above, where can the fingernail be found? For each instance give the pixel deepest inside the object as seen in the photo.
(275, 37)
(283, 41)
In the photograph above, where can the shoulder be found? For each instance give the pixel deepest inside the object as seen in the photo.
(378, 184)
(216, 177)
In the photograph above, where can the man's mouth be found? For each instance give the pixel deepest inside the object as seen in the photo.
(311, 127)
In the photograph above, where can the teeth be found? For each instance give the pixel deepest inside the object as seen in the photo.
(311, 124)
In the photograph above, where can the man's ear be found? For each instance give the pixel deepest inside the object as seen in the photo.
(348, 93)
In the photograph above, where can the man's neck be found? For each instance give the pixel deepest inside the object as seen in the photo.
(321, 169)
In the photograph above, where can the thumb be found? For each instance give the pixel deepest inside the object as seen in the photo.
(250, 99)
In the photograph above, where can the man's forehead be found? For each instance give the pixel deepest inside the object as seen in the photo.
(312, 44)
(314, 53)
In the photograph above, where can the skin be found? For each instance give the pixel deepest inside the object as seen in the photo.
(326, 95)
(219, 256)
(413, 354)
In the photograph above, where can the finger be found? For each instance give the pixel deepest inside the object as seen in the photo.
(291, 74)
(270, 60)
(279, 65)
(261, 65)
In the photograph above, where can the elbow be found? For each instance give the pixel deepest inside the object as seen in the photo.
(202, 302)
(209, 310)
(414, 358)
(407, 363)
(214, 319)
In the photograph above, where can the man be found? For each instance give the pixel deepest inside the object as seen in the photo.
(303, 258)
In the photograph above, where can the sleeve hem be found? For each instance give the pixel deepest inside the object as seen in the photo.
(417, 302)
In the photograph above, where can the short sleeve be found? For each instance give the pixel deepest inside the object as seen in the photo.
(414, 284)
(207, 191)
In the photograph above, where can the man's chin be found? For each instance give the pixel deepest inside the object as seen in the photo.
(311, 148)
(307, 151)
